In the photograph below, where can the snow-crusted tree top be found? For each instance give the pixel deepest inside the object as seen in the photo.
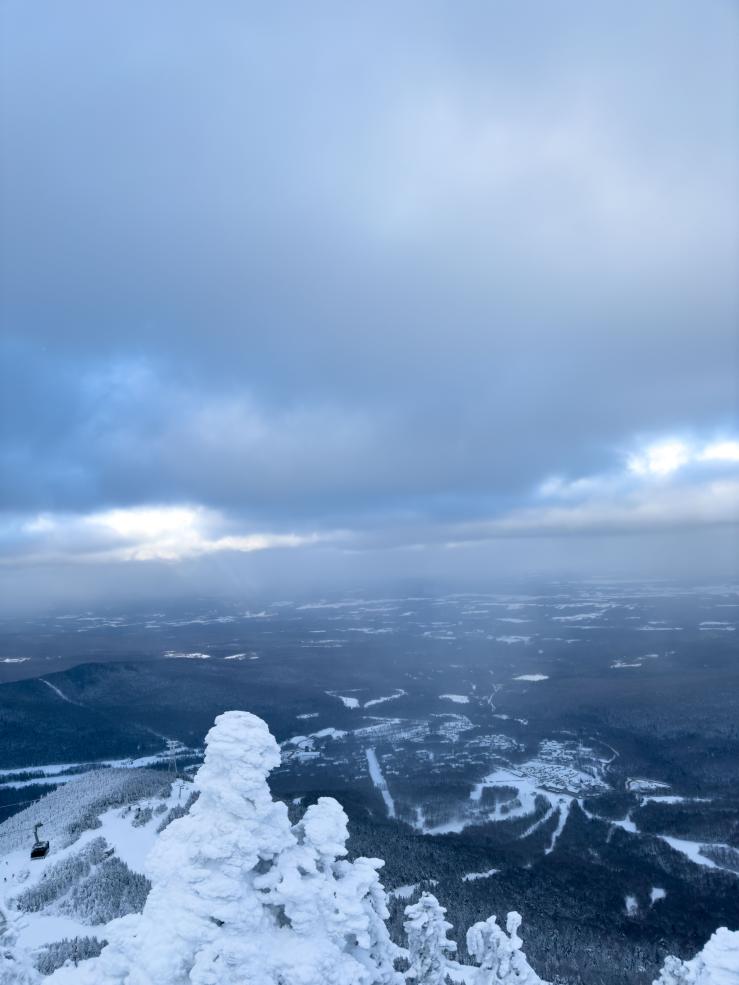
(716, 964)
(499, 955)
(325, 828)
(427, 941)
(240, 896)
(240, 752)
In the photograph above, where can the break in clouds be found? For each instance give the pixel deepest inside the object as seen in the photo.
(331, 290)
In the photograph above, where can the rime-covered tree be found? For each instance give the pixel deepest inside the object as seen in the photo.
(716, 964)
(239, 897)
(499, 954)
(428, 944)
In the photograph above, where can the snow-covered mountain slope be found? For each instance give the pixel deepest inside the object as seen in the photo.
(64, 811)
(101, 827)
(163, 883)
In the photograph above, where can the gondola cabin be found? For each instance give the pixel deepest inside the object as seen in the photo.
(40, 848)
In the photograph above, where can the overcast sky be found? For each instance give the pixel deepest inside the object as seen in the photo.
(315, 292)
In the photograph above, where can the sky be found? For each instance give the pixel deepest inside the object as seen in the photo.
(308, 294)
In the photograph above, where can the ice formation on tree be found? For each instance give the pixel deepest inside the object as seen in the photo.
(427, 941)
(16, 967)
(716, 964)
(239, 897)
(499, 955)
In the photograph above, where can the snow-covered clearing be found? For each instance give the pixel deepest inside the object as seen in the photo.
(460, 699)
(656, 894)
(175, 655)
(404, 892)
(532, 677)
(346, 701)
(399, 693)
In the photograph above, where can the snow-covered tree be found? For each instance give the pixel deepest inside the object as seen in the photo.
(716, 964)
(16, 966)
(239, 897)
(58, 953)
(427, 941)
(499, 955)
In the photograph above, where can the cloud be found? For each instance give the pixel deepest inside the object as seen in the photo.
(322, 299)
(624, 500)
(141, 534)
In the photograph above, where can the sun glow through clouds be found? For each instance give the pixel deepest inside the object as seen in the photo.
(720, 451)
(665, 457)
(660, 459)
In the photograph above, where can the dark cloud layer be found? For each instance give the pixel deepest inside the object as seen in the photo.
(377, 269)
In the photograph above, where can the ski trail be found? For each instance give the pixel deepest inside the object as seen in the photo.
(379, 781)
(59, 693)
(564, 813)
(537, 824)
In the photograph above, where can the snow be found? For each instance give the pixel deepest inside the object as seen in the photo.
(642, 785)
(428, 944)
(329, 733)
(692, 850)
(238, 894)
(716, 964)
(174, 655)
(59, 693)
(659, 629)
(379, 781)
(532, 677)
(626, 824)
(347, 702)
(564, 813)
(37, 929)
(460, 699)
(512, 639)
(391, 697)
(404, 892)
(474, 876)
(499, 954)
(631, 905)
